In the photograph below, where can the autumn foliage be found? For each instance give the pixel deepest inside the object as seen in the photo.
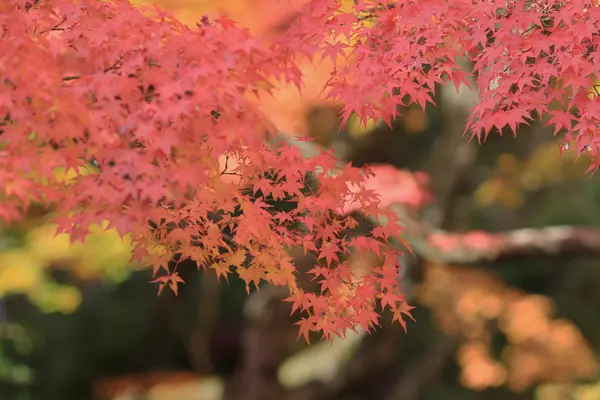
(159, 124)
(540, 347)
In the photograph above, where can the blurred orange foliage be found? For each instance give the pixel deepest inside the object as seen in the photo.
(472, 303)
(140, 384)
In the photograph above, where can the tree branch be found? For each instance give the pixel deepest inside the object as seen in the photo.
(478, 246)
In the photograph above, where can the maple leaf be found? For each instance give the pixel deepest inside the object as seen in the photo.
(365, 243)
(306, 326)
(399, 311)
(367, 318)
(329, 253)
(388, 299)
(221, 269)
(562, 120)
(332, 50)
(174, 281)
(298, 300)
(162, 281)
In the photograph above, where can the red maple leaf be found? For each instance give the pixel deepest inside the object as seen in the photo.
(332, 50)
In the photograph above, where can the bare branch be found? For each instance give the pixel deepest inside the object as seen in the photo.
(472, 247)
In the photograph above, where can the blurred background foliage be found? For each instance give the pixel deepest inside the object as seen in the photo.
(81, 322)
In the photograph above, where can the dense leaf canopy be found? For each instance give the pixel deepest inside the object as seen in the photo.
(160, 124)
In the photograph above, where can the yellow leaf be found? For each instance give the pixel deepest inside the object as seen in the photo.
(52, 297)
(487, 193)
(104, 254)
(50, 247)
(508, 163)
(595, 90)
(68, 299)
(20, 272)
(62, 175)
(357, 128)
(510, 197)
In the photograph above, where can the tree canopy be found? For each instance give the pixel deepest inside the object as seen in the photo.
(159, 127)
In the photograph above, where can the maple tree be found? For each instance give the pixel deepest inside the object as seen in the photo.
(160, 124)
